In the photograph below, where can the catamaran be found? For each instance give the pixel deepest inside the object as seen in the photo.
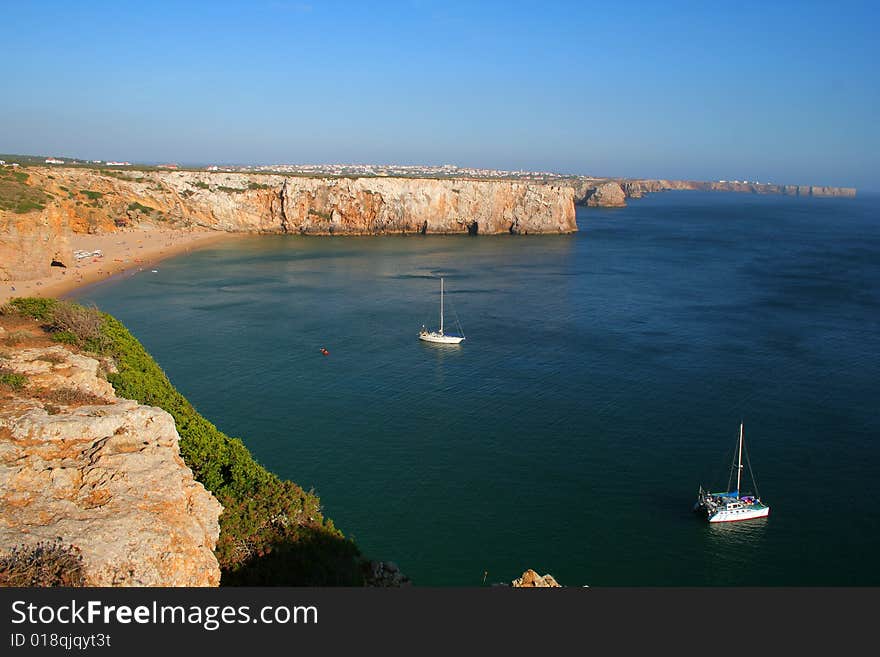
(730, 505)
(439, 336)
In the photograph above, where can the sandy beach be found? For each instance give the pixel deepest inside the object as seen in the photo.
(119, 253)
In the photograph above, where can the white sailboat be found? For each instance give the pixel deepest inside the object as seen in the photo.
(439, 336)
(730, 505)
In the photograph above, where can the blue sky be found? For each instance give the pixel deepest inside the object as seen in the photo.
(777, 92)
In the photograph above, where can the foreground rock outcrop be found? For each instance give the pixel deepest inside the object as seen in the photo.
(103, 474)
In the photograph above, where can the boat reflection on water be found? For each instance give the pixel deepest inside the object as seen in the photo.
(735, 544)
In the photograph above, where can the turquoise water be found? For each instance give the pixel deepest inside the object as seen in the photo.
(602, 381)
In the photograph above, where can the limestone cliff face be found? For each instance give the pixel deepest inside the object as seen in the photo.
(606, 195)
(93, 201)
(101, 473)
(401, 205)
(30, 243)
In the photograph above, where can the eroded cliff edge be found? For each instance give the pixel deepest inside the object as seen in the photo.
(102, 474)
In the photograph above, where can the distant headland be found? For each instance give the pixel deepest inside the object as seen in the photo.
(613, 192)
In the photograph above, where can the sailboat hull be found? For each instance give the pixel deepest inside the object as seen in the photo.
(724, 515)
(439, 338)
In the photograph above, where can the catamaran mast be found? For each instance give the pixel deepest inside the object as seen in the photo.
(441, 306)
(740, 466)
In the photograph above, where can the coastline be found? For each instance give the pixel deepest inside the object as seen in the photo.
(123, 252)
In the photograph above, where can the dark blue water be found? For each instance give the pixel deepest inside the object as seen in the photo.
(602, 381)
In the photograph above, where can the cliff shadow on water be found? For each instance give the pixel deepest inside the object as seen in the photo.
(272, 532)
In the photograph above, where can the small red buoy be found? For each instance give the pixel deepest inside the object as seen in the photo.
(324, 351)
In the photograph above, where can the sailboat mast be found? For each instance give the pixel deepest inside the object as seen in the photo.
(740, 466)
(441, 306)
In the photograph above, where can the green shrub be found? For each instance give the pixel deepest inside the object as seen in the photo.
(84, 324)
(16, 195)
(146, 209)
(41, 309)
(65, 337)
(201, 185)
(93, 196)
(12, 380)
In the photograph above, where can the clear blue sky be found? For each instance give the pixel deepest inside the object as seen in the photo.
(769, 91)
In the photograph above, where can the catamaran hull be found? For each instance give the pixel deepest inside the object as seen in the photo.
(740, 514)
(441, 339)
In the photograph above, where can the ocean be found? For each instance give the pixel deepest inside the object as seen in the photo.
(603, 379)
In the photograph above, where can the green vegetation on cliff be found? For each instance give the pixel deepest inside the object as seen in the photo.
(272, 532)
(146, 209)
(16, 195)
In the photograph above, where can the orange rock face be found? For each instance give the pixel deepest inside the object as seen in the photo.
(30, 243)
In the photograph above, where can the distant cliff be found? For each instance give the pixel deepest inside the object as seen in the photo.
(612, 192)
(93, 200)
(82, 200)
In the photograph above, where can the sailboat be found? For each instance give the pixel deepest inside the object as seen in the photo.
(730, 505)
(439, 336)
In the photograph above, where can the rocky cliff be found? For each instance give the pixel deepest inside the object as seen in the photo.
(606, 195)
(402, 205)
(103, 474)
(604, 192)
(81, 200)
(31, 242)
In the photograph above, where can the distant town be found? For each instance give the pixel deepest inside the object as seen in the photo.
(339, 170)
(390, 170)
